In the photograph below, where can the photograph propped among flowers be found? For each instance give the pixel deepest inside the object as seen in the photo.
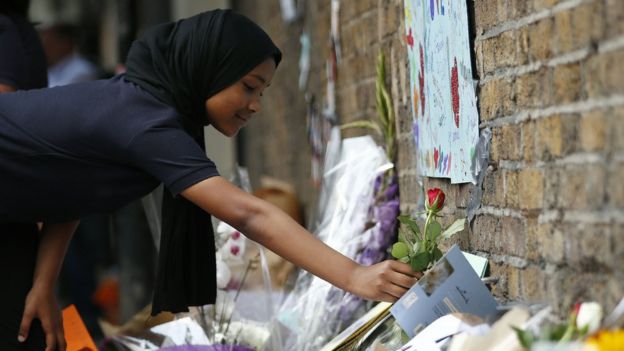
(420, 248)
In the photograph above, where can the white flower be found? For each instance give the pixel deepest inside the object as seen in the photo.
(590, 315)
(223, 273)
(225, 229)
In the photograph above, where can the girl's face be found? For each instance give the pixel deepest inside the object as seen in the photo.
(230, 109)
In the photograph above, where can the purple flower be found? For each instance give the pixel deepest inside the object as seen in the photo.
(370, 256)
(383, 214)
(386, 214)
(378, 182)
(349, 305)
(391, 191)
(216, 347)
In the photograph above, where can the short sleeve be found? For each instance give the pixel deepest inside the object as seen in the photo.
(172, 156)
(11, 54)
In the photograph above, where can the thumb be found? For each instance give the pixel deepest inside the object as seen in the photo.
(25, 325)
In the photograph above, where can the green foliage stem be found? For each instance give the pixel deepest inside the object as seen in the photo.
(385, 125)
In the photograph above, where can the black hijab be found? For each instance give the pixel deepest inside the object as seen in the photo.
(182, 64)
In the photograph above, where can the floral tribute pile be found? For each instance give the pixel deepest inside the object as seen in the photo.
(584, 330)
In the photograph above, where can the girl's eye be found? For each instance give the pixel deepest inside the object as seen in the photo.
(248, 87)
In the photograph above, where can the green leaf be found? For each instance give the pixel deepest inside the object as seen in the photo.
(379, 87)
(410, 223)
(554, 332)
(582, 332)
(406, 237)
(404, 337)
(389, 113)
(400, 250)
(420, 261)
(362, 124)
(382, 110)
(526, 338)
(433, 230)
(418, 247)
(402, 237)
(437, 254)
(563, 333)
(457, 226)
(404, 259)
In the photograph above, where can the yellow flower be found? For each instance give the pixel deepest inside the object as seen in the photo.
(606, 340)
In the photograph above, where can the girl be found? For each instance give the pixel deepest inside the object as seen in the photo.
(70, 151)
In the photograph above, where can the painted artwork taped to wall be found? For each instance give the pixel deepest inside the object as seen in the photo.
(445, 116)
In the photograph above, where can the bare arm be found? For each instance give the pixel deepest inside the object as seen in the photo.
(53, 244)
(268, 225)
(41, 301)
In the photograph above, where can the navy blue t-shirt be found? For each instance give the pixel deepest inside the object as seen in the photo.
(70, 151)
(22, 61)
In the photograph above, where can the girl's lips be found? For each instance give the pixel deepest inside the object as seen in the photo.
(245, 120)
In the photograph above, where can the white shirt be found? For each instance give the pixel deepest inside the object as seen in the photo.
(73, 69)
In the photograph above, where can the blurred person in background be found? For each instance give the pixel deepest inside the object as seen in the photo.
(22, 61)
(65, 64)
(22, 67)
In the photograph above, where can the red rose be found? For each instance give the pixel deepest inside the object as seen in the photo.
(435, 200)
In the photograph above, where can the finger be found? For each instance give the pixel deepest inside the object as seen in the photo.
(394, 290)
(404, 268)
(387, 298)
(60, 336)
(50, 342)
(50, 337)
(24, 328)
(402, 280)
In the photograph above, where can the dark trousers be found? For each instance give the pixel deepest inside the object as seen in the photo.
(18, 252)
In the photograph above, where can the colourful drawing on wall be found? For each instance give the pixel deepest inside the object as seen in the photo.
(445, 116)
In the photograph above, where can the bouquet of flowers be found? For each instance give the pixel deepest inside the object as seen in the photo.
(584, 319)
(420, 248)
(583, 330)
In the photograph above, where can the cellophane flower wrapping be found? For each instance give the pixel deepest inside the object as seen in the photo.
(246, 302)
(242, 317)
(311, 314)
(377, 239)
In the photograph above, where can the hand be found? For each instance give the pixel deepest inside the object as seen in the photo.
(41, 304)
(384, 281)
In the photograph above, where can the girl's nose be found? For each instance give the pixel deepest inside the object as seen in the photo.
(255, 105)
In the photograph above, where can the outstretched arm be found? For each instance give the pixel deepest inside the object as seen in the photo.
(269, 226)
(41, 302)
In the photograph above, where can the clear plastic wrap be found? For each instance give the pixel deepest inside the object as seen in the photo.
(310, 314)
(241, 318)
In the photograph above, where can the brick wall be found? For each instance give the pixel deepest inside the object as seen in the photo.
(551, 89)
